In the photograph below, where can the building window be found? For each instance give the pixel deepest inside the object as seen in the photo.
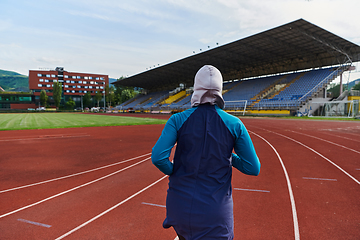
(101, 87)
(47, 75)
(74, 86)
(39, 75)
(41, 80)
(74, 77)
(80, 82)
(67, 81)
(97, 78)
(78, 86)
(66, 76)
(72, 81)
(54, 80)
(84, 82)
(91, 82)
(39, 85)
(78, 77)
(86, 87)
(97, 87)
(73, 91)
(46, 80)
(90, 86)
(48, 85)
(86, 77)
(67, 91)
(66, 86)
(53, 75)
(101, 78)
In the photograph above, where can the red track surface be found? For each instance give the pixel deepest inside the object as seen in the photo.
(321, 158)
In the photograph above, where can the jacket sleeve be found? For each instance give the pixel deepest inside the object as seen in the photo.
(245, 159)
(162, 149)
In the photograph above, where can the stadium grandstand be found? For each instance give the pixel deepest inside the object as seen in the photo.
(278, 71)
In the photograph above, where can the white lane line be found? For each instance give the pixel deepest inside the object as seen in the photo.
(251, 190)
(338, 167)
(110, 209)
(43, 138)
(35, 223)
(152, 204)
(71, 175)
(332, 135)
(72, 189)
(291, 195)
(327, 141)
(321, 179)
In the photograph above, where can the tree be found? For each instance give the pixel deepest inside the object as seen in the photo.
(87, 99)
(70, 104)
(357, 86)
(109, 94)
(98, 97)
(117, 95)
(126, 94)
(43, 98)
(57, 90)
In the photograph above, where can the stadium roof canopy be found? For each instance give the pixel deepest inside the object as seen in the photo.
(294, 46)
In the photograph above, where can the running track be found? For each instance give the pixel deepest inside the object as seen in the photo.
(99, 183)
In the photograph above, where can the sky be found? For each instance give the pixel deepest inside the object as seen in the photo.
(124, 38)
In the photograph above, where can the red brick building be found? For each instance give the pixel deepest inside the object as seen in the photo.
(74, 84)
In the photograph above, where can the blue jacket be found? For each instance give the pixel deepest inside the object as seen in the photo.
(199, 201)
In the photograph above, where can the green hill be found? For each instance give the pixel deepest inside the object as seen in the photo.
(12, 81)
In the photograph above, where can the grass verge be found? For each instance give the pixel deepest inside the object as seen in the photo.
(68, 120)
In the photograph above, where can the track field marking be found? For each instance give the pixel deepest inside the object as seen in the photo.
(291, 195)
(321, 179)
(341, 130)
(72, 175)
(43, 138)
(251, 190)
(72, 189)
(110, 209)
(152, 204)
(35, 223)
(334, 164)
(327, 141)
(351, 139)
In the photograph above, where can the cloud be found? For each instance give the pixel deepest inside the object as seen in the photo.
(5, 25)
(91, 15)
(50, 60)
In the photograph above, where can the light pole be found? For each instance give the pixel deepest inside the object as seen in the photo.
(82, 108)
(104, 97)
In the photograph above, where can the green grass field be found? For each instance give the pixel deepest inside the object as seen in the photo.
(67, 120)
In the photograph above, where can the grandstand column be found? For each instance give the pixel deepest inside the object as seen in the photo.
(341, 85)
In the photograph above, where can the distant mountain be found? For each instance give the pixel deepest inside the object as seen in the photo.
(353, 83)
(111, 80)
(13, 81)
